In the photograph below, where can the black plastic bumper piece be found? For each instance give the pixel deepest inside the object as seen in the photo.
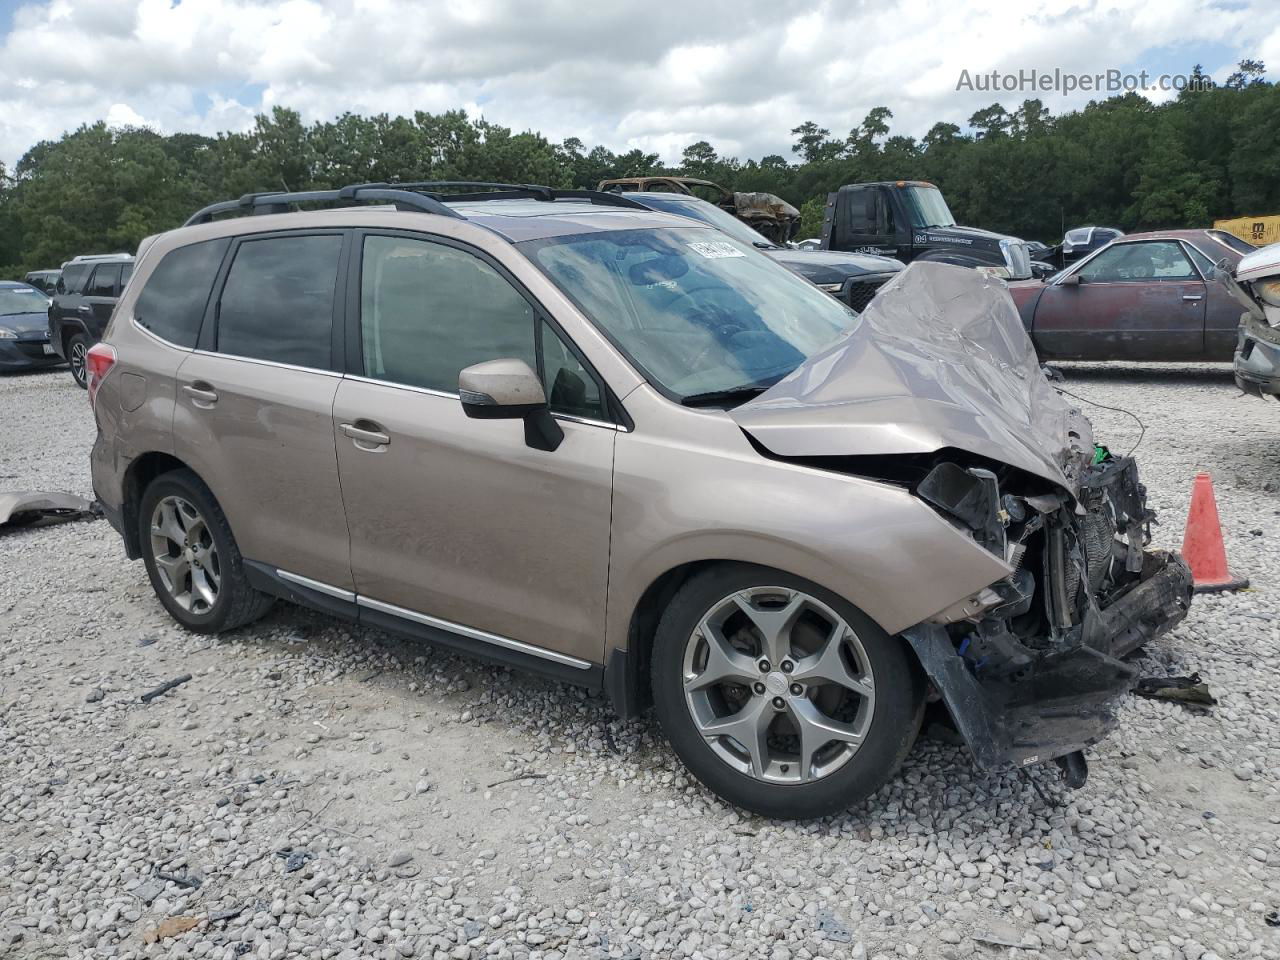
(1065, 700)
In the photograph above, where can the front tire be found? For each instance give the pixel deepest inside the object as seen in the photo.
(781, 697)
(77, 356)
(191, 557)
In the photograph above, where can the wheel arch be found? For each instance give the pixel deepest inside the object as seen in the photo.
(626, 673)
(141, 471)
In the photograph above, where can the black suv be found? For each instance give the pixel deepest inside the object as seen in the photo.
(83, 299)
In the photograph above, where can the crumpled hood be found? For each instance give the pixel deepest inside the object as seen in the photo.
(938, 359)
(819, 266)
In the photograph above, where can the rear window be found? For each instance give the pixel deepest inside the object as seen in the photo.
(1232, 241)
(172, 303)
(277, 303)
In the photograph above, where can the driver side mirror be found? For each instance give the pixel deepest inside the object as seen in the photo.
(508, 389)
(1071, 280)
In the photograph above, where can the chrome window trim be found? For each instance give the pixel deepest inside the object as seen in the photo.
(472, 633)
(267, 363)
(316, 585)
(570, 418)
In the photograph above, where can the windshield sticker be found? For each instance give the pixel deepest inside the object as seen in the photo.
(715, 249)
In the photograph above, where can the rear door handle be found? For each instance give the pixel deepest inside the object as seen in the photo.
(201, 394)
(366, 434)
(1197, 296)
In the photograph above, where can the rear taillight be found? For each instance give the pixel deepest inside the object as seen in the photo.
(97, 364)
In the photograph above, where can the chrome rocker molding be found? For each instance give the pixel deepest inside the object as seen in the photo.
(325, 597)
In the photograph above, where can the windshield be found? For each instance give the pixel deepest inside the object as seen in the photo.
(22, 300)
(927, 208)
(711, 215)
(697, 312)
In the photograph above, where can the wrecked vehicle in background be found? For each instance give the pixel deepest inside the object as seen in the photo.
(764, 212)
(1257, 288)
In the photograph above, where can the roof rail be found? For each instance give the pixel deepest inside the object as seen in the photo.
(484, 190)
(423, 196)
(264, 203)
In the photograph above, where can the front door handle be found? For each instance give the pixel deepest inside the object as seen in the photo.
(1189, 296)
(84, 308)
(202, 395)
(366, 434)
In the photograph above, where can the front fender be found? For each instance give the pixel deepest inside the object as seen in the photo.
(870, 542)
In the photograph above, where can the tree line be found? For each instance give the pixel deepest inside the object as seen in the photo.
(1124, 162)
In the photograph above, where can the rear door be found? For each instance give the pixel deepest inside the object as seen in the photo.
(459, 523)
(1135, 301)
(254, 415)
(100, 296)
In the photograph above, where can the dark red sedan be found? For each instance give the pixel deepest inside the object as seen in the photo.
(1146, 296)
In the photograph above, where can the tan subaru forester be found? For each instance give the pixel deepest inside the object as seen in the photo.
(561, 431)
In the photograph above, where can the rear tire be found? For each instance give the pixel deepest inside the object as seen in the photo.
(832, 716)
(191, 556)
(77, 352)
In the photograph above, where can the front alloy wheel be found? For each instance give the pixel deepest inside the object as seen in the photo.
(185, 555)
(779, 685)
(780, 696)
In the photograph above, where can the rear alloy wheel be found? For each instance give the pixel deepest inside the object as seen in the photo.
(192, 558)
(779, 696)
(185, 555)
(77, 357)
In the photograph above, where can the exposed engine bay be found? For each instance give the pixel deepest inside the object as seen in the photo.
(1030, 666)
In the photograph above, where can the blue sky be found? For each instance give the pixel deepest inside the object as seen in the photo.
(740, 73)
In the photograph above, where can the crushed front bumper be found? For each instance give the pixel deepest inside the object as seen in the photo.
(1257, 359)
(1066, 699)
(1036, 673)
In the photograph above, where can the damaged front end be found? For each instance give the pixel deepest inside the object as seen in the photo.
(939, 390)
(1256, 286)
(1030, 667)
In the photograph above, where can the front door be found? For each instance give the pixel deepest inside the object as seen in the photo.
(254, 412)
(458, 522)
(1134, 301)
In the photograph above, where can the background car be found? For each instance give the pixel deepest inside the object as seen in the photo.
(24, 327)
(1146, 297)
(85, 295)
(1082, 241)
(46, 280)
(852, 277)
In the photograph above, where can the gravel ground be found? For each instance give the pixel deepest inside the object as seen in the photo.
(441, 808)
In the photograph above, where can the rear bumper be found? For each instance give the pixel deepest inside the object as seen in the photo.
(1066, 698)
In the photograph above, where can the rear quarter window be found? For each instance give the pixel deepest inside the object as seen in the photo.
(173, 301)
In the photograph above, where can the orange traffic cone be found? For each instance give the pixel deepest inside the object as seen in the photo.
(1202, 545)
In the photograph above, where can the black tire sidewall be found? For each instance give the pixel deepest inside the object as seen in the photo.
(71, 345)
(895, 718)
(185, 484)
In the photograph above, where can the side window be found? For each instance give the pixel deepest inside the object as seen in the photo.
(569, 385)
(427, 310)
(73, 278)
(172, 303)
(105, 281)
(1203, 262)
(1156, 260)
(126, 271)
(277, 302)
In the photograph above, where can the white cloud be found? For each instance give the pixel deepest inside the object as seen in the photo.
(740, 73)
